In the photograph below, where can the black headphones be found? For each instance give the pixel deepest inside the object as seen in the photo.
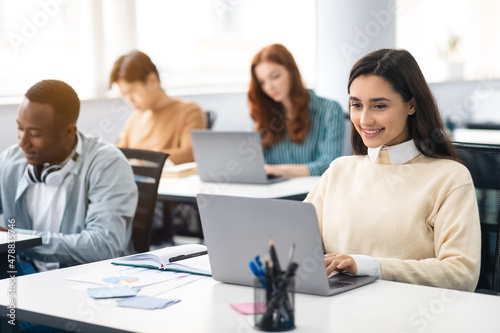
(50, 174)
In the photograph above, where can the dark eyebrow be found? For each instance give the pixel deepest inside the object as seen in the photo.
(378, 99)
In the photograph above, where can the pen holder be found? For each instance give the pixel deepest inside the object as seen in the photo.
(274, 304)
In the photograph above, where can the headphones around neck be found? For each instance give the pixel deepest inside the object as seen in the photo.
(52, 175)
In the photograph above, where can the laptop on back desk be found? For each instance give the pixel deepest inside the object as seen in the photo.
(230, 157)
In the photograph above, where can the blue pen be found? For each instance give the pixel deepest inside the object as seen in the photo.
(259, 263)
(257, 271)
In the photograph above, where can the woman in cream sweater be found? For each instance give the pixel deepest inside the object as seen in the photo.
(402, 208)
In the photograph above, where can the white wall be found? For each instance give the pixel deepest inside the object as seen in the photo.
(463, 101)
(346, 31)
(105, 118)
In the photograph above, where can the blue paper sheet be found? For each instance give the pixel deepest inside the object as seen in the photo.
(145, 302)
(109, 292)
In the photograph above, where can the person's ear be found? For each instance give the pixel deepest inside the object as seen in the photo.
(412, 107)
(152, 80)
(70, 130)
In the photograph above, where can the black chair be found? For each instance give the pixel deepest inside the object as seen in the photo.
(211, 117)
(182, 219)
(483, 125)
(483, 162)
(147, 166)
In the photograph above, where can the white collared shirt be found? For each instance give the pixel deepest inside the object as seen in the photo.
(398, 154)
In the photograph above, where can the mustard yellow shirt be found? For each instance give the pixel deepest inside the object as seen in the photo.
(167, 129)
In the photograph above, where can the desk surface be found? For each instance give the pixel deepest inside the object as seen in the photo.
(22, 241)
(383, 306)
(186, 188)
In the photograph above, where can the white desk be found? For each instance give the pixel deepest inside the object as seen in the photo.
(22, 241)
(477, 136)
(185, 189)
(46, 298)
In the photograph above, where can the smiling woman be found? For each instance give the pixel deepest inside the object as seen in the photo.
(379, 114)
(402, 208)
(411, 96)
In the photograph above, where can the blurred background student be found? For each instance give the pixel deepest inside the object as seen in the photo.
(158, 122)
(301, 132)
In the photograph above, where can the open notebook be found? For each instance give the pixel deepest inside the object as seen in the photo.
(160, 259)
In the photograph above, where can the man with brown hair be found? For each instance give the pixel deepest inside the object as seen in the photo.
(158, 122)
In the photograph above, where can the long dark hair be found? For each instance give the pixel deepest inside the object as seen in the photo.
(269, 116)
(400, 69)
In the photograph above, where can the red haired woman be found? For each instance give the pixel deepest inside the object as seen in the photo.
(301, 132)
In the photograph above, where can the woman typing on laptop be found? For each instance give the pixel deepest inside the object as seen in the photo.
(301, 132)
(403, 208)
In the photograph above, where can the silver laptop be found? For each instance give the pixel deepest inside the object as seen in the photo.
(230, 157)
(237, 229)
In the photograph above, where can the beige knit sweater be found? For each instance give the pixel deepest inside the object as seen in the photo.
(420, 219)
(166, 130)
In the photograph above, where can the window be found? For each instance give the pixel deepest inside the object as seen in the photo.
(200, 44)
(43, 40)
(451, 39)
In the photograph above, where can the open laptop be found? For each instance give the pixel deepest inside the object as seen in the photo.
(237, 229)
(230, 157)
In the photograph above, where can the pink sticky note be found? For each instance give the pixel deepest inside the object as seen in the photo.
(249, 308)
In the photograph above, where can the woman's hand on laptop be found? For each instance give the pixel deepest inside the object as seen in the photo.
(287, 170)
(340, 262)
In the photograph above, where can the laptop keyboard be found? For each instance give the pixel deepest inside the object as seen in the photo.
(334, 284)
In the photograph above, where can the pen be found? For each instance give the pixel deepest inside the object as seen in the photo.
(274, 259)
(269, 278)
(258, 273)
(187, 256)
(258, 262)
(290, 255)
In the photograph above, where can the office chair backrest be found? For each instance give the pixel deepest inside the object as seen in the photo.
(483, 162)
(147, 166)
(211, 117)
